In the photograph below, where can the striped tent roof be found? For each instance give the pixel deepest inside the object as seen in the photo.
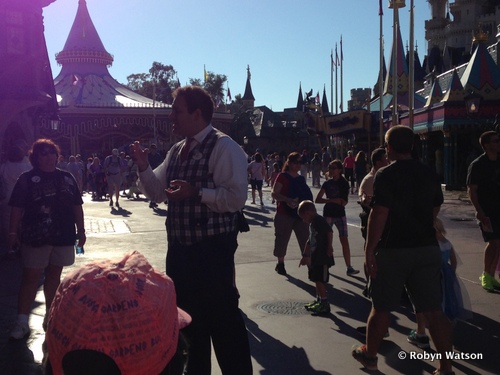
(84, 80)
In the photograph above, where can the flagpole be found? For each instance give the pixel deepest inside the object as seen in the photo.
(341, 77)
(394, 65)
(331, 79)
(336, 82)
(411, 86)
(380, 77)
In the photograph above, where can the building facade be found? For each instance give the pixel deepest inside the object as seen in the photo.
(27, 96)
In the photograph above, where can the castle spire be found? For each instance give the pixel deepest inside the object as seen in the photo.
(398, 68)
(324, 102)
(84, 79)
(300, 99)
(248, 98)
(84, 45)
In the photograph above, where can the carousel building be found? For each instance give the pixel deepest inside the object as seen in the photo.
(97, 113)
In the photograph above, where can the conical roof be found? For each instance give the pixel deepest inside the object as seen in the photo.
(456, 90)
(436, 94)
(84, 80)
(300, 99)
(384, 77)
(399, 68)
(482, 75)
(248, 95)
(418, 70)
(84, 44)
(324, 103)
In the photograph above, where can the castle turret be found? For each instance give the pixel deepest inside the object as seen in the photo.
(248, 98)
(300, 99)
(434, 34)
(324, 103)
(83, 52)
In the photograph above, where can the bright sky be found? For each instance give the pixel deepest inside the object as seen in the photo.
(285, 42)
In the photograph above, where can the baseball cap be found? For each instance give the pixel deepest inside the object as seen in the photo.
(124, 309)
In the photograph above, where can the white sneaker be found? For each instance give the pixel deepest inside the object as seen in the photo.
(20, 330)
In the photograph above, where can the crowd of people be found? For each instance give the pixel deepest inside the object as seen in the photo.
(108, 177)
(205, 178)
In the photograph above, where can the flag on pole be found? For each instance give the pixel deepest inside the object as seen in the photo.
(331, 58)
(337, 55)
(380, 11)
(178, 82)
(317, 98)
(205, 75)
(229, 94)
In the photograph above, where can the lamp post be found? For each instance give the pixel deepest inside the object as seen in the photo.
(154, 112)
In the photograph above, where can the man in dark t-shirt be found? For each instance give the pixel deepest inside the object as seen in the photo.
(401, 250)
(483, 182)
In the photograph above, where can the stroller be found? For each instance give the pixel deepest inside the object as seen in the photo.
(101, 186)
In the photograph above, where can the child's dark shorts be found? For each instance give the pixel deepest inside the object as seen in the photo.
(319, 273)
(256, 184)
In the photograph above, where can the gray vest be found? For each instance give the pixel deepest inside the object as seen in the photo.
(190, 221)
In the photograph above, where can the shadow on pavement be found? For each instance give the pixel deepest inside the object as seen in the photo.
(120, 212)
(257, 216)
(15, 356)
(160, 211)
(275, 357)
(479, 335)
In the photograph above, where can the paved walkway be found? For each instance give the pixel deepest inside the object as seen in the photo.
(284, 338)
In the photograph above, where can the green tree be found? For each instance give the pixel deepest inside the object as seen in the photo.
(136, 81)
(214, 85)
(163, 79)
(158, 83)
